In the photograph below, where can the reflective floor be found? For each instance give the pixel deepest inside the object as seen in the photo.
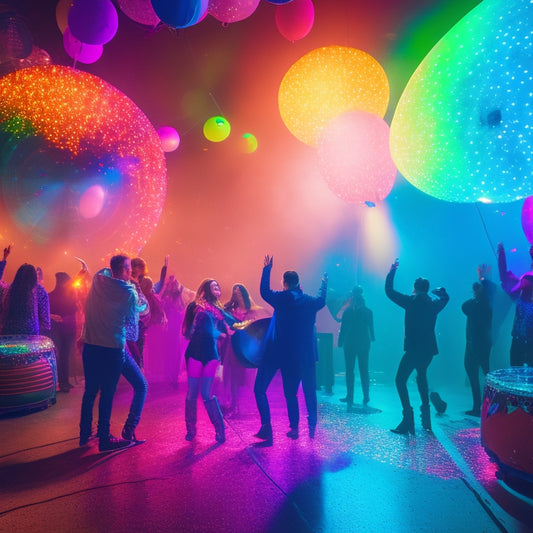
(354, 476)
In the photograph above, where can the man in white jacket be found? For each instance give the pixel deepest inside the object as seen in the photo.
(111, 302)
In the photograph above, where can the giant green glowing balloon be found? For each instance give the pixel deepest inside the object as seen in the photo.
(463, 128)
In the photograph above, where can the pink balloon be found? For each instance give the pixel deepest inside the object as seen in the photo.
(92, 201)
(140, 11)
(527, 218)
(93, 21)
(82, 52)
(295, 19)
(354, 157)
(232, 10)
(170, 138)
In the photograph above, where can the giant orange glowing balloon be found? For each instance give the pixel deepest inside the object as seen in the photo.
(327, 82)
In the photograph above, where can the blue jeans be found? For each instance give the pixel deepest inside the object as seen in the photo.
(134, 376)
(102, 367)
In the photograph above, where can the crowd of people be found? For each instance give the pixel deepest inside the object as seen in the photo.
(125, 314)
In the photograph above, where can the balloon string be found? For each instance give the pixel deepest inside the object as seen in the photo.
(215, 102)
(485, 228)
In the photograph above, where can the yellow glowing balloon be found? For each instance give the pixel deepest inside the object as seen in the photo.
(216, 129)
(248, 143)
(326, 83)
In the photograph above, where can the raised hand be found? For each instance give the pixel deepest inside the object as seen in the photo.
(269, 260)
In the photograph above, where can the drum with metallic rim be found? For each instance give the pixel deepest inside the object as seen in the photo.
(28, 373)
(507, 420)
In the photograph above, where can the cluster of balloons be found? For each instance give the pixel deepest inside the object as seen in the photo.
(294, 18)
(334, 99)
(86, 26)
(217, 129)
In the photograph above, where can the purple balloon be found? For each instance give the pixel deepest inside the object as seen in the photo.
(278, 2)
(93, 21)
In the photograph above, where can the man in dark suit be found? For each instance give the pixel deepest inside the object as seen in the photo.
(420, 344)
(291, 346)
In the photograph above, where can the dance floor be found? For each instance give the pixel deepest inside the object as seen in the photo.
(354, 476)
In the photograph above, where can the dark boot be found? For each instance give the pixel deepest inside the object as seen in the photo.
(215, 415)
(265, 433)
(128, 433)
(190, 418)
(439, 404)
(425, 415)
(407, 425)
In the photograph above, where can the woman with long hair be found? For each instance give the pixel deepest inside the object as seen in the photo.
(204, 324)
(27, 307)
(244, 310)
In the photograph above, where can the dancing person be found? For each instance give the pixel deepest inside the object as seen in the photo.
(111, 302)
(132, 372)
(478, 311)
(292, 347)
(63, 311)
(204, 324)
(136, 348)
(244, 310)
(27, 308)
(521, 291)
(153, 357)
(355, 336)
(420, 344)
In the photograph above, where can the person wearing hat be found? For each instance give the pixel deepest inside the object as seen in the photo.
(420, 344)
(63, 326)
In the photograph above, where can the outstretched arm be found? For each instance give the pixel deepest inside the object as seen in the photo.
(322, 291)
(265, 290)
(397, 297)
(507, 278)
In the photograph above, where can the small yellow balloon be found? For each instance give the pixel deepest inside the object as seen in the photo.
(248, 143)
(216, 129)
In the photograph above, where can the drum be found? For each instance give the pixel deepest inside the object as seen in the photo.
(507, 420)
(28, 373)
(249, 343)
